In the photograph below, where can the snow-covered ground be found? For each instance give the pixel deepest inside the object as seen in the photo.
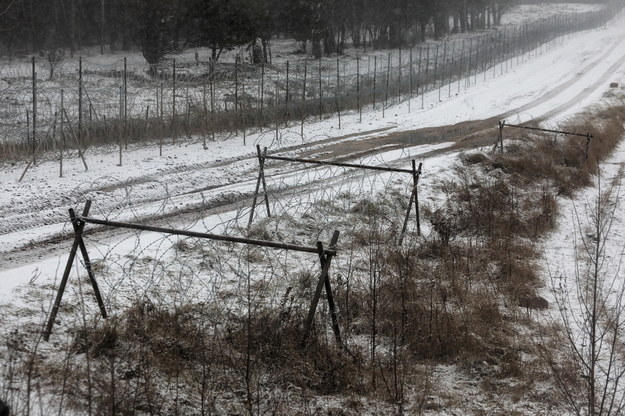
(556, 83)
(575, 72)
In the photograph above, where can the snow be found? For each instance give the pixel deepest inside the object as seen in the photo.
(518, 95)
(549, 84)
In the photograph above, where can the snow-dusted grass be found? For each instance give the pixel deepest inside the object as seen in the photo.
(170, 273)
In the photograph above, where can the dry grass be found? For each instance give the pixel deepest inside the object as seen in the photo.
(455, 298)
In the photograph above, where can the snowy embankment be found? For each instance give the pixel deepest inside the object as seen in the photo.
(567, 75)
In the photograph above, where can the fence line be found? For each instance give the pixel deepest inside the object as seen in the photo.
(116, 103)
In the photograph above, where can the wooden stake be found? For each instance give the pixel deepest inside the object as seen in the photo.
(321, 283)
(414, 198)
(78, 242)
(259, 181)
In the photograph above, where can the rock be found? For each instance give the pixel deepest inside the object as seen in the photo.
(614, 85)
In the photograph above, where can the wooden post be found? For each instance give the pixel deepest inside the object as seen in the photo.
(242, 115)
(338, 92)
(451, 68)
(304, 96)
(173, 101)
(212, 109)
(276, 111)
(443, 70)
(326, 262)
(416, 175)
(419, 73)
(414, 198)
(236, 85)
(34, 137)
(205, 120)
(80, 126)
(323, 258)
(160, 141)
(375, 72)
(262, 91)
(62, 136)
(587, 150)
(27, 128)
(286, 97)
(427, 66)
(358, 89)
(399, 78)
(320, 92)
(125, 102)
(410, 82)
(499, 138)
(461, 66)
(467, 83)
(78, 243)
(388, 76)
(121, 133)
(259, 181)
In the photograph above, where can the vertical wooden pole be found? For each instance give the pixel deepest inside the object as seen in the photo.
(338, 91)
(276, 109)
(68, 267)
(212, 92)
(460, 73)
(173, 102)
(388, 80)
(499, 138)
(467, 82)
(501, 126)
(451, 68)
(205, 118)
(320, 92)
(375, 72)
(262, 92)
(587, 150)
(236, 84)
(34, 137)
(330, 297)
(320, 285)
(414, 198)
(427, 66)
(410, 82)
(62, 138)
(419, 73)
(27, 128)
(162, 133)
(443, 70)
(243, 124)
(259, 181)
(80, 88)
(125, 133)
(286, 96)
(304, 96)
(120, 129)
(416, 176)
(358, 89)
(399, 88)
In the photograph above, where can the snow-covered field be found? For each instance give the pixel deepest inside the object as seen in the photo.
(555, 84)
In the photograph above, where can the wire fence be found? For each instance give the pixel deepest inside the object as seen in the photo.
(53, 106)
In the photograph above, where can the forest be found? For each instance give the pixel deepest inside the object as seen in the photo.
(158, 27)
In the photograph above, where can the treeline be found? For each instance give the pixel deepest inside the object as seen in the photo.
(161, 26)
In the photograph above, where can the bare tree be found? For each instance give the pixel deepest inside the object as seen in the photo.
(592, 309)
